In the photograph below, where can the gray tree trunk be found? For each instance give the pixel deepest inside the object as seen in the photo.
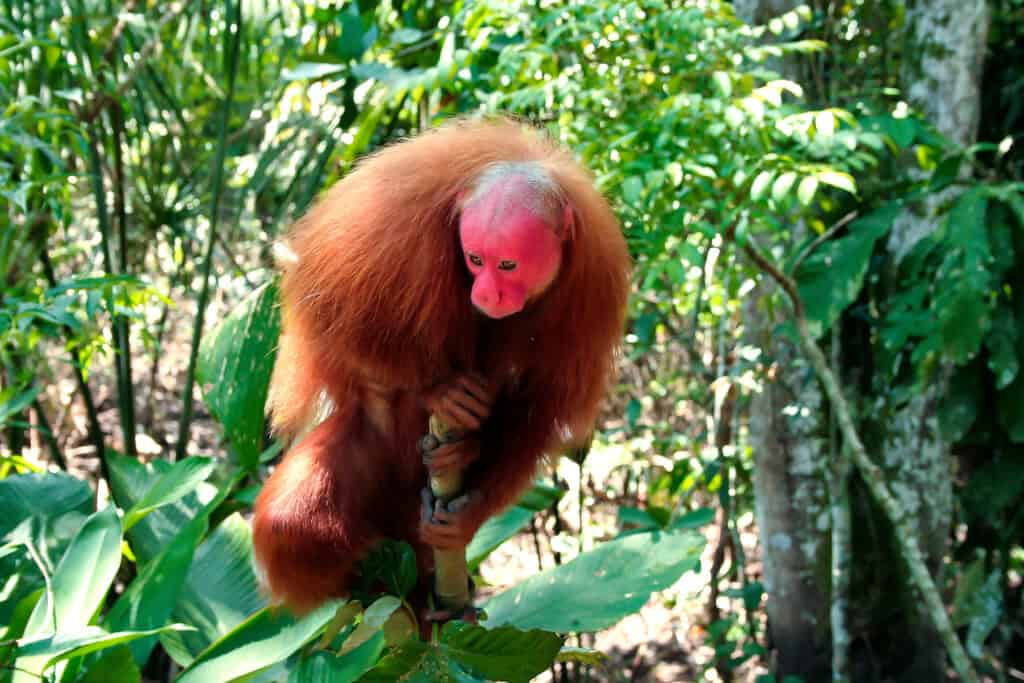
(788, 438)
(941, 74)
(945, 42)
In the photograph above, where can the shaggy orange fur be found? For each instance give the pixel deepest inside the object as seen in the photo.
(377, 312)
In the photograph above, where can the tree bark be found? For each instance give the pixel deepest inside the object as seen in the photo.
(789, 440)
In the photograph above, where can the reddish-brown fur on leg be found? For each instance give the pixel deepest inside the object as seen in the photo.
(377, 316)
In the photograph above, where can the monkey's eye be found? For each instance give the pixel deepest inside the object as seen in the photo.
(507, 265)
(475, 260)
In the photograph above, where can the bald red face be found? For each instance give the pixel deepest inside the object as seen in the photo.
(512, 253)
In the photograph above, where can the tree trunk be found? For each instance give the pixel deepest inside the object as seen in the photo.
(788, 437)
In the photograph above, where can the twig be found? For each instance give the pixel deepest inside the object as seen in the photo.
(873, 476)
(100, 101)
(822, 238)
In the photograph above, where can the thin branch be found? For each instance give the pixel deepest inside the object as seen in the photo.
(822, 238)
(100, 101)
(874, 477)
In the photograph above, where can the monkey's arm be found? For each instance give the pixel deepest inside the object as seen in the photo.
(512, 443)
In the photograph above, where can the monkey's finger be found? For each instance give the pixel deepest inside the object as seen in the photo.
(459, 417)
(477, 387)
(466, 400)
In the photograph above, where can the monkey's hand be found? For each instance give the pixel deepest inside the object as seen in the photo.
(444, 457)
(463, 404)
(446, 527)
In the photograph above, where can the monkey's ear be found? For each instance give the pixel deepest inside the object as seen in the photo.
(570, 217)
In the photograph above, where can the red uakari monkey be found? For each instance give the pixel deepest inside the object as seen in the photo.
(472, 272)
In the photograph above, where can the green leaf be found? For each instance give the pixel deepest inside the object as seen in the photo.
(830, 279)
(1010, 403)
(311, 71)
(783, 184)
(149, 600)
(114, 664)
(760, 185)
(964, 310)
(505, 654)
(173, 485)
(1002, 344)
(958, 409)
(46, 495)
(695, 519)
(808, 186)
(130, 480)
(327, 667)
(627, 569)
(220, 590)
(633, 190)
(82, 578)
(235, 362)
(843, 181)
(76, 642)
(262, 640)
(16, 404)
(391, 564)
(494, 532)
(469, 653)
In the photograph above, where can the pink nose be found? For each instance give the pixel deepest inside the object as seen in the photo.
(486, 298)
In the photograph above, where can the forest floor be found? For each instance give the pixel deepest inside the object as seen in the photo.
(665, 642)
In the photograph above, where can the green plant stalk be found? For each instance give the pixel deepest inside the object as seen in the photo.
(232, 49)
(119, 329)
(95, 429)
(451, 575)
(126, 395)
(873, 477)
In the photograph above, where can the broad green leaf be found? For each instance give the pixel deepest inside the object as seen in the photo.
(504, 654)
(964, 310)
(844, 181)
(805, 192)
(78, 641)
(782, 185)
(312, 71)
(82, 578)
(262, 640)
(469, 653)
(627, 569)
(830, 279)
(633, 190)
(327, 667)
(959, 406)
(220, 591)
(173, 485)
(45, 495)
(235, 362)
(494, 532)
(114, 664)
(150, 598)
(1002, 344)
(130, 480)
(15, 404)
(760, 184)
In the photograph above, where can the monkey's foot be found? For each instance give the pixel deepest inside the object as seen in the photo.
(445, 527)
(464, 404)
(442, 457)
